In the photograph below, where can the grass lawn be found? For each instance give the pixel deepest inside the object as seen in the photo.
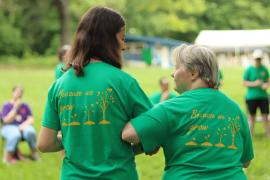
(36, 83)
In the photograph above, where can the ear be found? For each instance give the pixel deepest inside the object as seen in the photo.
(194, 76)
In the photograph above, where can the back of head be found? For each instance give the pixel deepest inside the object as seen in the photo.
(198, 59)
(62, 52)
(96, 38)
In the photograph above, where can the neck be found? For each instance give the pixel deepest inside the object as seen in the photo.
(13, 101)
(198, 83)
(257, 63)
(95, 60)
(165, 90)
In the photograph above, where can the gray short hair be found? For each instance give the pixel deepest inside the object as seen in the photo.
(198, 59)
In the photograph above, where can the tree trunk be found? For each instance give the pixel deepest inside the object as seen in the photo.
(64, 17)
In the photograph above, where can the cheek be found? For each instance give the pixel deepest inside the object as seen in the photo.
(177, 77)
(181, 81)
(123, 45)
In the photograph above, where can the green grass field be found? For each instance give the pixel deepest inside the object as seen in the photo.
(36, 83)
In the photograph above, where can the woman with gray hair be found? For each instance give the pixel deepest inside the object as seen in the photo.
(204, 134)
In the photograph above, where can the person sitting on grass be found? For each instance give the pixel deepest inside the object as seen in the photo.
(204, 134)
(17, 125)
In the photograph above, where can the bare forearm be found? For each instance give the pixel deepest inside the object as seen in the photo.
(250, 84)
(53, 147)
(10, 116)
(48, 141)
(57, 146)
(129, 135)
(29, 121)
(246, 164)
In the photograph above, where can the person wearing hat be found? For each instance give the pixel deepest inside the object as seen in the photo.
(256, 79)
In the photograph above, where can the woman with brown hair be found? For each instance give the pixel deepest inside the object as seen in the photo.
(92, 102)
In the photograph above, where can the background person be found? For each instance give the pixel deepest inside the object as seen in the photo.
(92, 102)
(220, 78)
(61, 54)
(164, 94)
(204, 134)
(256, 79)
(17, 124)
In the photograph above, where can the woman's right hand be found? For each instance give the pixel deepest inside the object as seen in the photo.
(257, 83)
(17, 103)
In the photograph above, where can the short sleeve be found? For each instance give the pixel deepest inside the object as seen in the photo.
(5, 110)
(50, 118)
(151, 128)
(246, 75)
(155, 98)
(58, 71)
(138, 99)
(248, 153)
(267, 73)
(172, 95)
(220, 75)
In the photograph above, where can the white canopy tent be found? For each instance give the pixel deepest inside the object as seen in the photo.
(234, 40)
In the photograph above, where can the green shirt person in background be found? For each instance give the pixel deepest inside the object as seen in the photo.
(220, 78)
(61, 54)
(164, 94)
(92, 102)
(256, 79)
(204, 134)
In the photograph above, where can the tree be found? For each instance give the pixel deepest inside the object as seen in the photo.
(40, 27)
(234, 128)
(26, 26)
(164, 18)
(105, 98)
(64, 18)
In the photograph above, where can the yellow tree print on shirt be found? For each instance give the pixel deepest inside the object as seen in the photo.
(88, 111)
(64, 123)
(221, 133)
(234, 128)
(73, 120)
(105, 98)
(192, 142)
(206, 143)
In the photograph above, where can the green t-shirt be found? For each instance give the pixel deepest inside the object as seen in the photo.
(155, 98)
(58, 70)
(203, 133)
(252, 74)
(91, 112)
(220, 78)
